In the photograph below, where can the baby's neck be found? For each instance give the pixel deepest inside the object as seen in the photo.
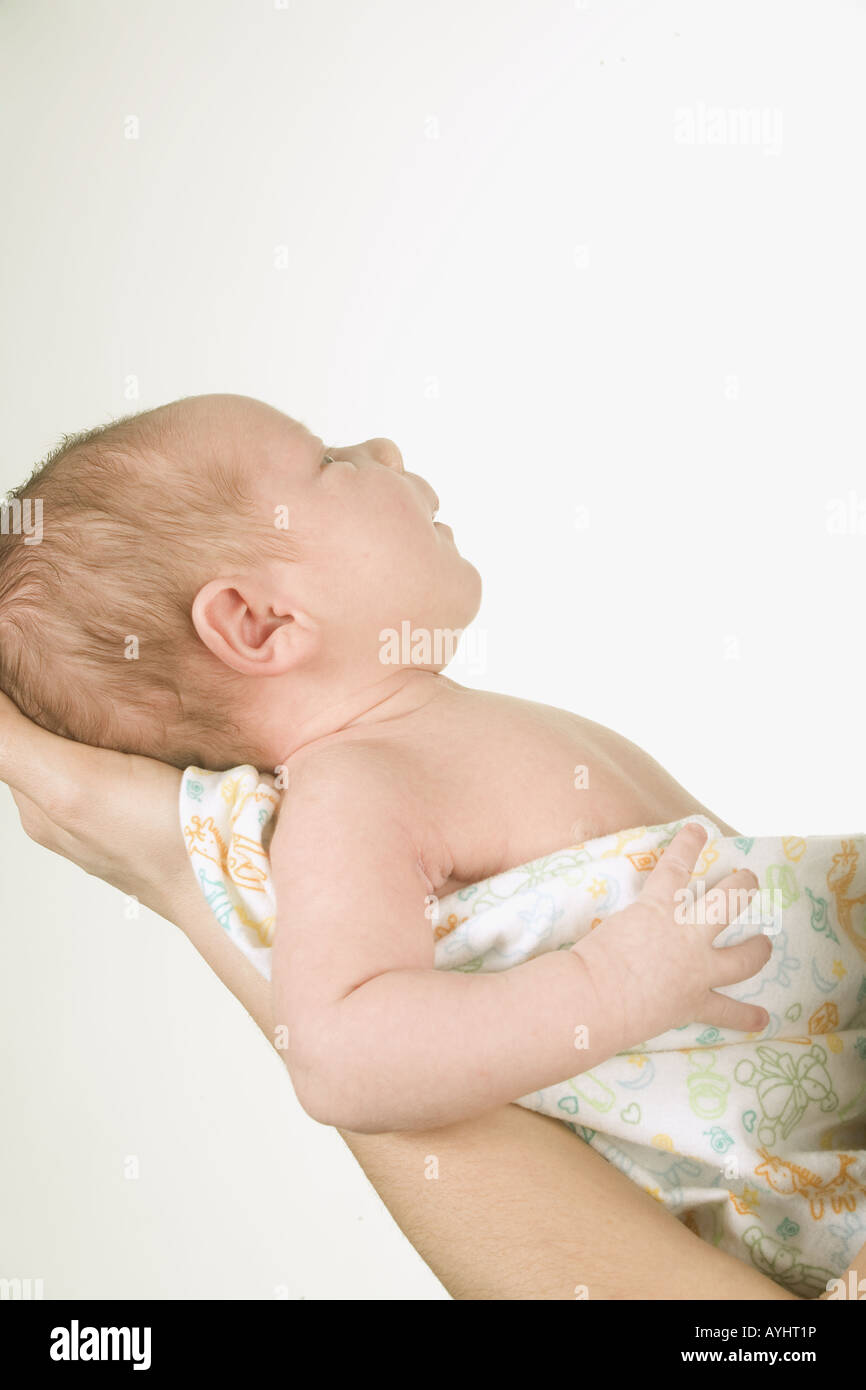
(398, 695)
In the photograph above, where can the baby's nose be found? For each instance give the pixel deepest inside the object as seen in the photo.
(385, 451)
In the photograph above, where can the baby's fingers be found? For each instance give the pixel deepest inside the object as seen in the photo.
(722, 1012)
(734, 963)
(723, 903)
(673, 871)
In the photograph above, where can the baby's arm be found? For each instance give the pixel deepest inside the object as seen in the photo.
(378, 1040)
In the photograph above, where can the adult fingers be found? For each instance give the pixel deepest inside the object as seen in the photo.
(37, 825)
(32, 760)
(58, 774)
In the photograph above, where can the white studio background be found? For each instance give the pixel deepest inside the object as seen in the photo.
(598, 269)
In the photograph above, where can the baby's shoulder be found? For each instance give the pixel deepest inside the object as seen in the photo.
(339, 768)
(337, 780)
(359, 793)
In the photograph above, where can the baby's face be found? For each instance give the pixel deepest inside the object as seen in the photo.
(370, 555)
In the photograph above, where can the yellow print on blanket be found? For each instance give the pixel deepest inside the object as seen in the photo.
(840, 1192)
(839, 878)
(203, 838)
(247, 863)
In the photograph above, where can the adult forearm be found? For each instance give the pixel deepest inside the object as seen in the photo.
(411, 1049)
(188, 910)
(851, 1283)
(512, 1205)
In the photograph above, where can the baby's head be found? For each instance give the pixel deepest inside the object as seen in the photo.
(191, 551)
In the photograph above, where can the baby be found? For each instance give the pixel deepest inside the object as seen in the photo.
(216, 586)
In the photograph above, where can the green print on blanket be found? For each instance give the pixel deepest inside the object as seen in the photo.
(708, 1089)
(739, 1136)
(785, 1263)
(819, 918)
(786, 1084)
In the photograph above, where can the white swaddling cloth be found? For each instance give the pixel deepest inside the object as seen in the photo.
(756, 1142)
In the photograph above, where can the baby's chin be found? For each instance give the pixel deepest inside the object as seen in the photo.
(473, 591)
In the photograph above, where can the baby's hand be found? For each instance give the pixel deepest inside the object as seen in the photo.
(655, 963)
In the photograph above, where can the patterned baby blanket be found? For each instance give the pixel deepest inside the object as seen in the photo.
(756, 1142)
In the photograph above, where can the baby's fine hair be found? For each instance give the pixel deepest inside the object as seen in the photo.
(96, 638)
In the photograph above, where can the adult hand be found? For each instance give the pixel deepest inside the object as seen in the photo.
(114, 814)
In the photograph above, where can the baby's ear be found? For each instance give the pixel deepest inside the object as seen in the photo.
(236, 621)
